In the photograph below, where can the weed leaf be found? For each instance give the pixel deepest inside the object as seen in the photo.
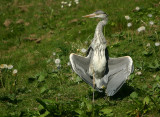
(146, 100)
(134, 95)
(107, 112)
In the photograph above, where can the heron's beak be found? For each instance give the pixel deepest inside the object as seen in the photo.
(90, 15)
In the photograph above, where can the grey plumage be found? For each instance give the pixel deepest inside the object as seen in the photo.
(110, 73)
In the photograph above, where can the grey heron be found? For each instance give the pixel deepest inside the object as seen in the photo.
(109, 73)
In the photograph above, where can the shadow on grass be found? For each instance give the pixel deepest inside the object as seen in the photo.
(125, 91)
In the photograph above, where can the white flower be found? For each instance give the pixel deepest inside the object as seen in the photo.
(154, 76)
(151, 22)
(149, 15)
(54, 53)
(148, 44)
(157, 44)
(63, 2)
(83, 50)
(127, 17)
(61, 6)
(140, 29)
(129, 24)
(137, 8)
(69, 4)
(2, 66)
(139, 73)
(15, 71)
(72, 78)
(10, 66)
(68, 63)
(57, 61)
(76, 1)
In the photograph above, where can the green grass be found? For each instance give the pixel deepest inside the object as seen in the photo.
(64, 31)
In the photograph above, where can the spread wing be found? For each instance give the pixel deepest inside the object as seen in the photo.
(81, 65)
(119, 70)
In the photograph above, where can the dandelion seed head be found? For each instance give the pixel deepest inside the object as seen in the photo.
(137, 8)
(62, 6)
(139, 73)
(151, 22)
(69, 4)
(127, 17)
(149, 15)
(15, 71)
(68, 63)
(57, 61)
(83, 50)
(10, 66)
(54, 53)
(63, 2)
(154, 76)
(72, 78)
(2, 66)
(76, 1)
(129, 24)
(140, 29)
(157, 44)
(148, 44)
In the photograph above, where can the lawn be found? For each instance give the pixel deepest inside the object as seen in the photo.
(33, 34)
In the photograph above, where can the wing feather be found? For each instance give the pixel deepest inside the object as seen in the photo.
(119, 70)
(81, 65)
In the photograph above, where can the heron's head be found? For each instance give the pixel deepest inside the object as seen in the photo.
(97, 14)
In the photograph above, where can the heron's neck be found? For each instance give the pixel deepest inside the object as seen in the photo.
(101, 24)
(98, 36)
